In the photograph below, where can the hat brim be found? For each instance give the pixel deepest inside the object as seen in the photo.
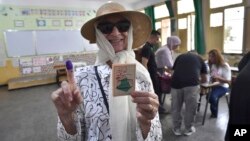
(141, 27)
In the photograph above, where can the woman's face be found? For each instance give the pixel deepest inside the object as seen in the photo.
(115, 29)
(175, 47)
(211, 58)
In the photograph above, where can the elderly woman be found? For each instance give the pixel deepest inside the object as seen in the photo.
(220, 72)
(164, 57)
(89, 111)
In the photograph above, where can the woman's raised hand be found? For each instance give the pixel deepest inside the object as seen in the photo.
(66, 99)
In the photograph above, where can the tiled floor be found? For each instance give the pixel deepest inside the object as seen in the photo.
(212, 130)
(29, 115)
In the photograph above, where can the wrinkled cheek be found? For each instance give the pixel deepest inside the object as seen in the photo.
(119, 46)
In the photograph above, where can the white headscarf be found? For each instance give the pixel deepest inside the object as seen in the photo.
(122, 110)
(173, 41)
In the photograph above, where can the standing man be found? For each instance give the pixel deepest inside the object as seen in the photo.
(188, 69)
(148, 61)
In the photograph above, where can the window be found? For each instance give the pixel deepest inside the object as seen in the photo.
(182, 23)
(216, 19)
(161, 11)
(190, 32)
(233, 30)
(164, 26)
(157, 25)
(185, 6)
(223, 3)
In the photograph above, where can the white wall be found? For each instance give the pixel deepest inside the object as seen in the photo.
(145, 3)
(54, 3)
(129, 4)
(92, 4)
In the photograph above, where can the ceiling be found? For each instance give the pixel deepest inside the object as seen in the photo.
(129, 4)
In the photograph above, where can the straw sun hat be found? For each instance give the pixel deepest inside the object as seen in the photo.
(140, 22)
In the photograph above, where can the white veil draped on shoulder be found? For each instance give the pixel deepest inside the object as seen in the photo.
(122, 110)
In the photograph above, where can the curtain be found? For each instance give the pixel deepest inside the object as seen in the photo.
(199, 28)
(171, 14)
(150, 12)
(170, 8)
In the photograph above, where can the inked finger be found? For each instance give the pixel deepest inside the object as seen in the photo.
(70, 74)
(67, 93)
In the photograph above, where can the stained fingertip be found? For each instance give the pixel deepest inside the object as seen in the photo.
(69, 65)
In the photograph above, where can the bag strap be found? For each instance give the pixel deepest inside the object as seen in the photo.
(103, 93)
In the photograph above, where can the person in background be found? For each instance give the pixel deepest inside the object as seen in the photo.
(158, 44)
(239, 111)
(189, 70)
(219, 72)
(148, 61)
(244, 61)
(163, 55)
(89, 111)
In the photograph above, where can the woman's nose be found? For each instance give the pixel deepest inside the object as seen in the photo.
(115, 31)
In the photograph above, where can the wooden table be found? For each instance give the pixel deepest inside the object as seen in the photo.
(61, 74)
(207, 87)
(234, 69)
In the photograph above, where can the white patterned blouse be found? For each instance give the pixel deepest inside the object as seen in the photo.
(92, 118)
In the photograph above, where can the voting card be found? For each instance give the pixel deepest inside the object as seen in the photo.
(123, 79)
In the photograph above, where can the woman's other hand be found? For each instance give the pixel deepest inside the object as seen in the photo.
(147, 108)
(147, 104)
